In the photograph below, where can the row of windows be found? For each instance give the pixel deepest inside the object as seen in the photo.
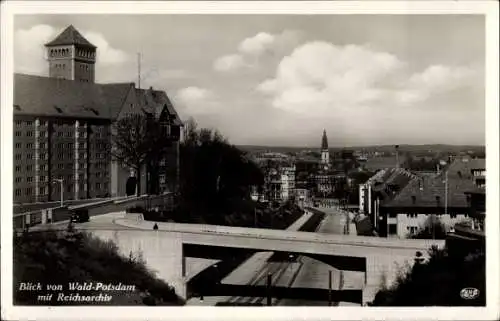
(82, 134)
(60, 156)
(59, 122)
(62, 145)
(31, 133)
(30, 156)
(42, 178)
(59, 52)
(60, 66)
(84, 67)
(43, 190)
(85, 53)
(415, 215)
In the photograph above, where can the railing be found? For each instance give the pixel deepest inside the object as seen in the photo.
(58, 214)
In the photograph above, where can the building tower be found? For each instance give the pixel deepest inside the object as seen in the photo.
(71, 56)
(325, 154)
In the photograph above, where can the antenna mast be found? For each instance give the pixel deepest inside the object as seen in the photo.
(139, 70)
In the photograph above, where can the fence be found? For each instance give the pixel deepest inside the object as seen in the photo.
(58, 214)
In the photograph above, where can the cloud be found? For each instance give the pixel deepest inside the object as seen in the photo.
(327, 77)
(194, 101)
(257, 44)
(106, 55)
(356, 89)
(29, 50)
(229, 63)
(194, 94)
(30, 56)
(320, 77)
(252, 48)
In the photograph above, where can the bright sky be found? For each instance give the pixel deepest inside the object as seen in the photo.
(279, 80)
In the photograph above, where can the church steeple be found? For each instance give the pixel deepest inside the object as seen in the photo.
(325, 154)
(71, 56)
(324, 141)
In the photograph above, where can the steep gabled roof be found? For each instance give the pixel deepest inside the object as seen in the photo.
(430, 192)
(462, 167)
(44, 96)
(157, 102)
(70, 36)
(389, 182)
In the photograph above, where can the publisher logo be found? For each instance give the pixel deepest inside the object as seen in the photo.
(469, 293)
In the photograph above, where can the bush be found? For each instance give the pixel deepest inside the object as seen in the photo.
(61, 257)
(437, 282)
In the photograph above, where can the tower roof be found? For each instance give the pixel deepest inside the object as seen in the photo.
(324, 141)
(70, 36)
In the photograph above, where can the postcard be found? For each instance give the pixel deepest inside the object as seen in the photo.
(250, 160)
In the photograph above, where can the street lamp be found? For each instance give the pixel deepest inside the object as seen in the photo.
(60, 180)
(446, 192)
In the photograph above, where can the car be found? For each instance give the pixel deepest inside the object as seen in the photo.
(80, 216)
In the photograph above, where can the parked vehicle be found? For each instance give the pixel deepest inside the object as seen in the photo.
(80, 216)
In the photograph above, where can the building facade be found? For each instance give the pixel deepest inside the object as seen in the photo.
(63, 127)
(408, 211)
(399, 202)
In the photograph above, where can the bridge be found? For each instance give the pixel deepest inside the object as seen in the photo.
(172, 243)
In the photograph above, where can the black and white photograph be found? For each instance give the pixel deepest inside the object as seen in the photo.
(278, 159)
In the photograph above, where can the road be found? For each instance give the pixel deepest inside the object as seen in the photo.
(314, 274)
(302, 272)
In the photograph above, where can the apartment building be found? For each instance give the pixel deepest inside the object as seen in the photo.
(63, 123)
(408, 211)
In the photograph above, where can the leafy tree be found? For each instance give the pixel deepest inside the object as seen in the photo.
(215, 176)
(137, 139)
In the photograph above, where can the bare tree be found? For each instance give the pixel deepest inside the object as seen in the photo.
(136, 139)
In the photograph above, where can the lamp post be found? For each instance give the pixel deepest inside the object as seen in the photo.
(329, 288)
(446, 192)
(60, 180)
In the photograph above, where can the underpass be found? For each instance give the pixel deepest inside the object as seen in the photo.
(163, 249)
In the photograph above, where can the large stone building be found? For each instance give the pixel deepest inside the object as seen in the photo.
(62, 128)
